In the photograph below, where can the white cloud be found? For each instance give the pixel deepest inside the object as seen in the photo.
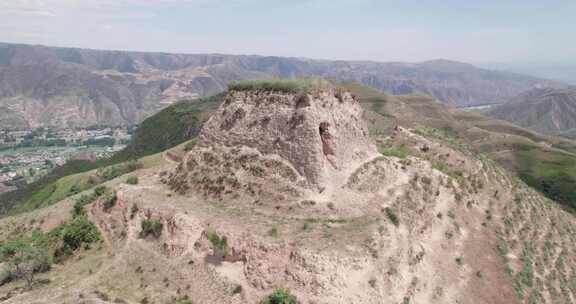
(106, 27)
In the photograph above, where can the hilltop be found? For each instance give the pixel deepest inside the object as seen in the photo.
(55, 87)
(325, 193)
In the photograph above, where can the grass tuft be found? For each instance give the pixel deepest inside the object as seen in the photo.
(132, 180)
(392, 216)
(219, 244)
(400, 152)
(280, 296)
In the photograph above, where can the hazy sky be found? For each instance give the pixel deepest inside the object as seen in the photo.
(385, 30)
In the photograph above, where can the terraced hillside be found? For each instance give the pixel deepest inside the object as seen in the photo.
(545, 163)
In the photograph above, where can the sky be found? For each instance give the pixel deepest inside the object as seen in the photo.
(476, 31)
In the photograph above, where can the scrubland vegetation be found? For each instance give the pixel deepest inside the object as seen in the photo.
(277, 85)
(27, 255)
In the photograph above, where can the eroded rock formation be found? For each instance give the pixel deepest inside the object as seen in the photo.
(321, 134)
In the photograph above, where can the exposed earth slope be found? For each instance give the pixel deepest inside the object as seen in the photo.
(45, 86)
(362, 208)
(545, 163)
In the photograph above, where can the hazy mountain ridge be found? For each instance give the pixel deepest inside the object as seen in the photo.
(549, 111)
(49, 86)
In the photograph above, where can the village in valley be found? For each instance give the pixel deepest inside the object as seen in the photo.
(26, 156)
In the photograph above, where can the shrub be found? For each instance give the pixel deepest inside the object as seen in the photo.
(459, 261)
(9, 249)
(392, 216)
(24, 262)
(151, 227)
(33, 253)
(219, 244)
(109, 200)
(100, 190)
(132, 180)
(80, 203)
(75, 189)
(77, 233)
(280, 296)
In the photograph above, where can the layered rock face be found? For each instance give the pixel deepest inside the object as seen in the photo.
(322, 135)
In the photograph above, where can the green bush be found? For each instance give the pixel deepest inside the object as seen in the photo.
(173, 125)
(280, 296)
(392, 216)
(80, 203)
(151, 227)
(132, 180)
(78, 233)
(30, 254)
(9, 249)
(219, 244)
(100, 190)
(23, 259)
(109, 200)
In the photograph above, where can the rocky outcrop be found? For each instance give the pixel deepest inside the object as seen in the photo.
(320, 134)
(277, 149)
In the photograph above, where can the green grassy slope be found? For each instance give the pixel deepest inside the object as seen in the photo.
(168, 128)
(43, 187)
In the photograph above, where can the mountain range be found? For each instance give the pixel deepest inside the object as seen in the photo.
(547, 111)
(66, 87)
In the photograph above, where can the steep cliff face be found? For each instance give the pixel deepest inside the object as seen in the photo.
(271, 145)
(78, 87)
(320, 134)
